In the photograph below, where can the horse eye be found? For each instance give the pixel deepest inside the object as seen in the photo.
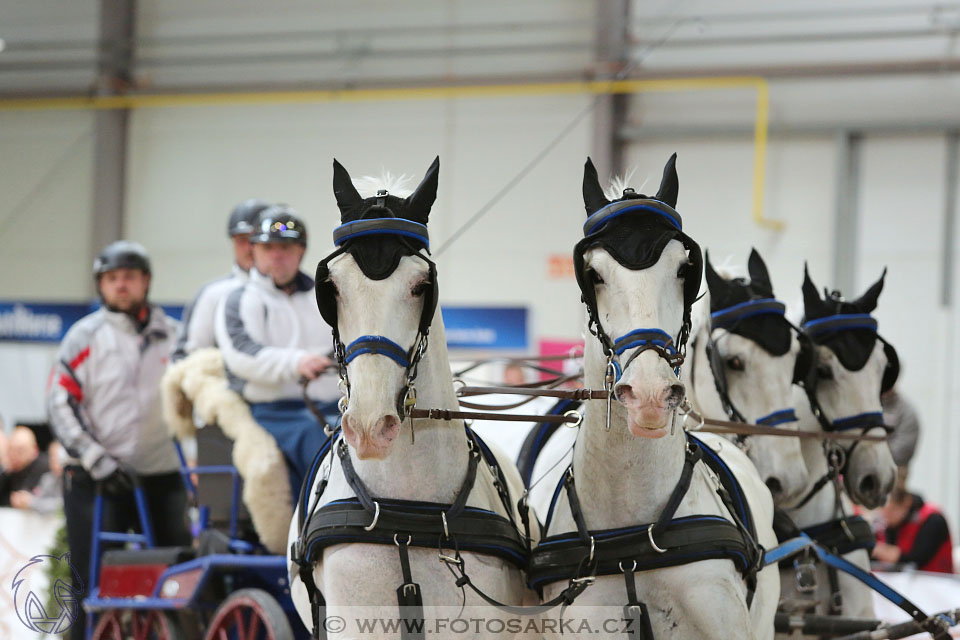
(824, 372)
(594, 277)
(735, 363)
(419, 289)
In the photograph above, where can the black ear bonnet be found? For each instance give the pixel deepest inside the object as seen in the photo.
(847, 328)
(634, 230)
(378, 232)
(749, 308)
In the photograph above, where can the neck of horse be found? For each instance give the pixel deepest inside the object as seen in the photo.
(823, 506)
(429, 465)
(621, 479)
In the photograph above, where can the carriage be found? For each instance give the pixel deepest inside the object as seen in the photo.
(226, 587)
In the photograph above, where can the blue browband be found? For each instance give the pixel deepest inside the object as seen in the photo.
(381, 226)
(777, 417)
(376, 345)
(840, 322)
(616, 209)
(725, 318)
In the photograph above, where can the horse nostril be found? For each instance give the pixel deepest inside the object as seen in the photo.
(776, 488)
(869, 484)
(623, 393)
(675, 395)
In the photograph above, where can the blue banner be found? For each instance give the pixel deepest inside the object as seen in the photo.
(48, 322)
(486, 327)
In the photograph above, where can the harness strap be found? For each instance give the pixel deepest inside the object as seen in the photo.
(363, 495)
(575, 509)
(691, 458)
(934, 625)
(409, 598)
(818, 485)
(575, 586)
(635, 612)
(684, 540)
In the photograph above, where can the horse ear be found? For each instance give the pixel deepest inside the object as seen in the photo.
(593, 198)
(812, 302)
(421, 200)
(758, 271)
(715, 283)
(347, 195)
(670, 184)
(868, 301)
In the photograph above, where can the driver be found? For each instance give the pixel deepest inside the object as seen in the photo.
(272, 337)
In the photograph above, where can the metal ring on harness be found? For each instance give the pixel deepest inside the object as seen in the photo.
(593, 545)
(409, 539)
(652, 543)
(376, 516)
(446, 532)
(570, 414)
(634, 568)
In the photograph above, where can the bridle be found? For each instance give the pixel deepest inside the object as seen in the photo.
(642, 339)
(728, 319)
(415, 236)
(838, 456)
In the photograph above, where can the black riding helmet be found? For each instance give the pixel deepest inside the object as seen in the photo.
(279, 223)
(243, 218)
(121, 254)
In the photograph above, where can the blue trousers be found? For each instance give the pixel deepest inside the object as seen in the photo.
(297, 432)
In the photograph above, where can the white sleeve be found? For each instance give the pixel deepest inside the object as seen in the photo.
(241, 337)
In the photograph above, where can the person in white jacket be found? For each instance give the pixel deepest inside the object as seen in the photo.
(272, 336)
(103, 404)
(197, 329)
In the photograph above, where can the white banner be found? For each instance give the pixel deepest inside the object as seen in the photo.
(24, 535)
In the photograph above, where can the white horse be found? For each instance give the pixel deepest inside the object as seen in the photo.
(383, 290)
(741, 368)
(850, 366)
(625, 475)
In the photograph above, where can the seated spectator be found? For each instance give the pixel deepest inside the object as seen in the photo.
(46, 497)
(916, 533)
(26, 465)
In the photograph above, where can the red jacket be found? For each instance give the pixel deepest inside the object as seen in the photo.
(942, 559)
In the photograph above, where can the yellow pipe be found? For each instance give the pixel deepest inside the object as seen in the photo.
(604, 87)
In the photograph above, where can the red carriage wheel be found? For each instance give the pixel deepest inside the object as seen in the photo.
(118, 624)
(250, 614)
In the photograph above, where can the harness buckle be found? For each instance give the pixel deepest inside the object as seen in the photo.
(577, 418)
(653, 544)
(376, 517)
(456, 560)
(410, 588)
(588, 580)
(846, 530)
(806, 576)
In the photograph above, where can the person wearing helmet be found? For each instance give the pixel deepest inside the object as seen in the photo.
(103, 404)
(197, 329)
(272, 337)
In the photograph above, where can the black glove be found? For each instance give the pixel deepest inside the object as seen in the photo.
(117, 483)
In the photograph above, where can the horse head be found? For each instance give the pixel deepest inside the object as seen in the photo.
(850, 366)
(752, 352)
(379, 293)
(639, 274)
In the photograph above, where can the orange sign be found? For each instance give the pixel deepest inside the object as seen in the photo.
(560, 265)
